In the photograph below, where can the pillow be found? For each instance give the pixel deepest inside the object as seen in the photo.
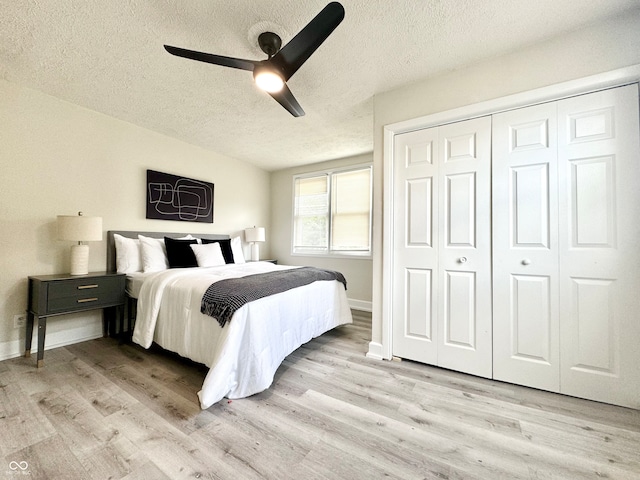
(225, 246)
(154, 254)
(128, 254)
(208, 255)
(179, 252)
(236, 248)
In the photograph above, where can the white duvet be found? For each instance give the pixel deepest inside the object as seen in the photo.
(244, 355)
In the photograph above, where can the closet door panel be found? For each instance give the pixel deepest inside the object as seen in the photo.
(415, 270)
(592, 203)
(530, 223)
(418, 192)
(418, 324)
(464, 300)
(599, 169)
(459, 309)
(525, 247)
(530, 318)
(594, 336)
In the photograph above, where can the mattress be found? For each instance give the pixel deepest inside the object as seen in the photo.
(134, 283)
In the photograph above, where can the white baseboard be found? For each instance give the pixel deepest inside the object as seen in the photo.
(67, 336)
(375, 351)
(362, 305)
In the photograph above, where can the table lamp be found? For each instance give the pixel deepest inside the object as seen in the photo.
(78, 228)
(254, 236)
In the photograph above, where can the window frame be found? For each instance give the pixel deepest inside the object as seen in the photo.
(329, 252)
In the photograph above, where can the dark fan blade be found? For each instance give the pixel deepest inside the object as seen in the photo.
(211, 58)
(291, 57)
(285, 98)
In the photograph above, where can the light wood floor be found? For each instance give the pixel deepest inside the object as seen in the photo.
(99, 410)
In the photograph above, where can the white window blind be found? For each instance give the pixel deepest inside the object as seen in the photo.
(332, 212)
(311, 216)
(351, 210)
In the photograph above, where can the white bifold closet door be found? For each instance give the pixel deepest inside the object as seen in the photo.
(599, 204)
(525, 247)
(566, 229)
(442, 246)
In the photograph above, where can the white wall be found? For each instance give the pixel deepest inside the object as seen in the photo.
(58, 158)
(600, 48)
(357, 271)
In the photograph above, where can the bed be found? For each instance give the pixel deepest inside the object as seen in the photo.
(244, 354)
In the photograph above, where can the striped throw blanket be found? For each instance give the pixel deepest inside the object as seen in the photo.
(224, 297)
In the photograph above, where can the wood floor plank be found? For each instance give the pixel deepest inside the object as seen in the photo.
(147, 471)
(391, 458)
(150, 389)
(251, 443)
(543, 457)
(560, 419)
(21, 421)
(169, 449)
(101, 449)
(419, 444)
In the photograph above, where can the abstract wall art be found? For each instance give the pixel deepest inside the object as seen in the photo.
(170, 197)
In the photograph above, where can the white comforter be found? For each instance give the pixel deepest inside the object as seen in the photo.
(244, 355)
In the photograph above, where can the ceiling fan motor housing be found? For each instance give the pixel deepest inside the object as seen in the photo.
(269, 43)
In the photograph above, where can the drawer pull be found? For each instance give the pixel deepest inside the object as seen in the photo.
(84, 287)
(85, 300)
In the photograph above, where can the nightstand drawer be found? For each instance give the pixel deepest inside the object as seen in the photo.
(93, 299)
(83, 287)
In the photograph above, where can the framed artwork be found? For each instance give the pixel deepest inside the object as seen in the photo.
(170, 197)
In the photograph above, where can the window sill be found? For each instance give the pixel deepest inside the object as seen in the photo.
(352, 256)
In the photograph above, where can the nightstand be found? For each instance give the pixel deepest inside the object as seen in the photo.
(52, 295)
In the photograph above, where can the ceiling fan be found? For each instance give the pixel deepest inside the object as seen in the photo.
(272, 74)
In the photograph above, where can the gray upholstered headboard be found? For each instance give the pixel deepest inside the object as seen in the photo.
(111, 244)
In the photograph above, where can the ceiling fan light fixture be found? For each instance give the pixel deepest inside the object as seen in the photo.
(268, 80)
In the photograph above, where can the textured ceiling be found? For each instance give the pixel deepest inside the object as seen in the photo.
(108, 56)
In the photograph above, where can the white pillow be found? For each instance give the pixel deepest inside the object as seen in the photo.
(208, 255)
(236, 249)
(128, 254)
(154, 254)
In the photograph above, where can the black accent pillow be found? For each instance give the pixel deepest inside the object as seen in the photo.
(225, 246)
(179, 253)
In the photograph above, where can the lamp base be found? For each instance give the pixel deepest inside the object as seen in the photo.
(255, 252)
(79, 259)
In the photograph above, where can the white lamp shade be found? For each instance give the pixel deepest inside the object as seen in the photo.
(78, 228)
(255, 234)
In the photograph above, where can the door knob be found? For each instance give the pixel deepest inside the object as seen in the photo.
(526, 261)
(462, 260)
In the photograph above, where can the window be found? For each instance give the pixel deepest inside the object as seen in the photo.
(332, 212)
